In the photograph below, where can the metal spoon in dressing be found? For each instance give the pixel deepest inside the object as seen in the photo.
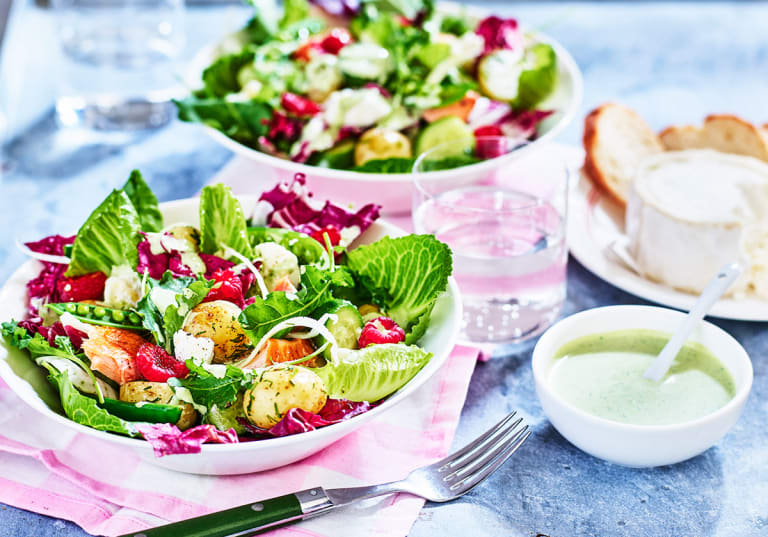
(712, 292)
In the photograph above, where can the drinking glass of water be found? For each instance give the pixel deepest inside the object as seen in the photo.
(505, 221)
(116, 70)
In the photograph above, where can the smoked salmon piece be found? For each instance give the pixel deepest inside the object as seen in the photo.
(112, 352)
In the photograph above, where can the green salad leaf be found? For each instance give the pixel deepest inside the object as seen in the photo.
(243, 122)
(386, 165)
(405, 276)
(315, 291)
(209, 390)
(222, 222)
(539, 80)
(19, 337)
(448, 163)
(144, 201)
(187, 293)
(293, 12)
(108, 238)
(83, 409)
(220, 78)
(372, 373)
(305, 248)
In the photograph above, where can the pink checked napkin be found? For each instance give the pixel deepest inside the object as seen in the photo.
(107, 490)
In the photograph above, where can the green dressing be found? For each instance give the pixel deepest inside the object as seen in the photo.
(602, 374)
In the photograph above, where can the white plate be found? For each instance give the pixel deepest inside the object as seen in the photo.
(393, 191)
(29, 382)
(595, 222)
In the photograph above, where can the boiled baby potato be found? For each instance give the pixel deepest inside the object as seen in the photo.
(379, 143)
(217, 320)
(187, 233)
(280, 389)
(157, 392)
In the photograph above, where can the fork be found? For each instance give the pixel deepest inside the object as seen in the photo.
(442, 481)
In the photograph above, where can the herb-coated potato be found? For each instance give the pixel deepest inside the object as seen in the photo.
(157, 392)
(277, 263)
(217, 321)
(280, 389)
(379, 143)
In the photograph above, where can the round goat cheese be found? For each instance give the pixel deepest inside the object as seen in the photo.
(691, 212)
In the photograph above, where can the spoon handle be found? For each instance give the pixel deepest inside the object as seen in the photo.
(712, 292)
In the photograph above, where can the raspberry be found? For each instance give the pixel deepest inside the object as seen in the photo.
(227, 287)
(336, 40)
(333, 235)
(156, 365)
(80, 288)
(298, 105)
(380, 330)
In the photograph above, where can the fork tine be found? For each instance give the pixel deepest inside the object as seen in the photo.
(475, 479)
(453, 457)
(489, 452)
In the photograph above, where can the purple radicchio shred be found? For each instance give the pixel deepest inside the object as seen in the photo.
(43, 286)
(167, 439)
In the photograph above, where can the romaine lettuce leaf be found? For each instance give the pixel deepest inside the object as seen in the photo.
(386, 165)
(108, 238)
(144, 201)
(222, 222)
(372, 373)
(220, 78)
(243, 122)
(315, 291)
(83, 409)
(405, 276)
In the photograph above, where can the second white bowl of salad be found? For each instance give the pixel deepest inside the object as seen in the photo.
(222, 335)
(352, 98)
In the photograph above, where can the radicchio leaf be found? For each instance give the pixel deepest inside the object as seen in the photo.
(167, 439)
(499, 33)
(43, 287)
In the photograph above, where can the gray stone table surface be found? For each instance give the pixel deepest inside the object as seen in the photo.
(674, 62)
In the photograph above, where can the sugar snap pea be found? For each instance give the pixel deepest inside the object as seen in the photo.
(146, 412)
(89, 313)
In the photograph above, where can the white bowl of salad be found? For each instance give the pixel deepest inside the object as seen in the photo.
(352, 98)
(222, 335)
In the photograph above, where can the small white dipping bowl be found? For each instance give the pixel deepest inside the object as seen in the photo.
(639, 445)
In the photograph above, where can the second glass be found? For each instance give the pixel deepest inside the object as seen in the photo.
(117, 62)
(505, 222)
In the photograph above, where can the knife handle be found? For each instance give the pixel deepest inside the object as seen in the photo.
(249, 519)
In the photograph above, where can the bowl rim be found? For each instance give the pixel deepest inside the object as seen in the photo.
(338, 430)
(540, 360)
(569, 112)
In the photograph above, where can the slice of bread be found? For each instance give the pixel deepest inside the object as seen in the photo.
(724, 133)
(616, 139)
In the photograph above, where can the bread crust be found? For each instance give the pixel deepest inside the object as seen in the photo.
(591, 167)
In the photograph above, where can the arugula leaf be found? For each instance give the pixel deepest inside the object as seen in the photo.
(243, 122)
(222, 222)
(386, 165)
(144, 201)
(83, 409)
(315, 291)
(405, 276)
(108, 238)
(220, 78)
(209, 390)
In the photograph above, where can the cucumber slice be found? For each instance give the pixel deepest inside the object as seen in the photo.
(365, 61)
(447, 129)
(339, 157)
(523, 80)
(345, 327)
